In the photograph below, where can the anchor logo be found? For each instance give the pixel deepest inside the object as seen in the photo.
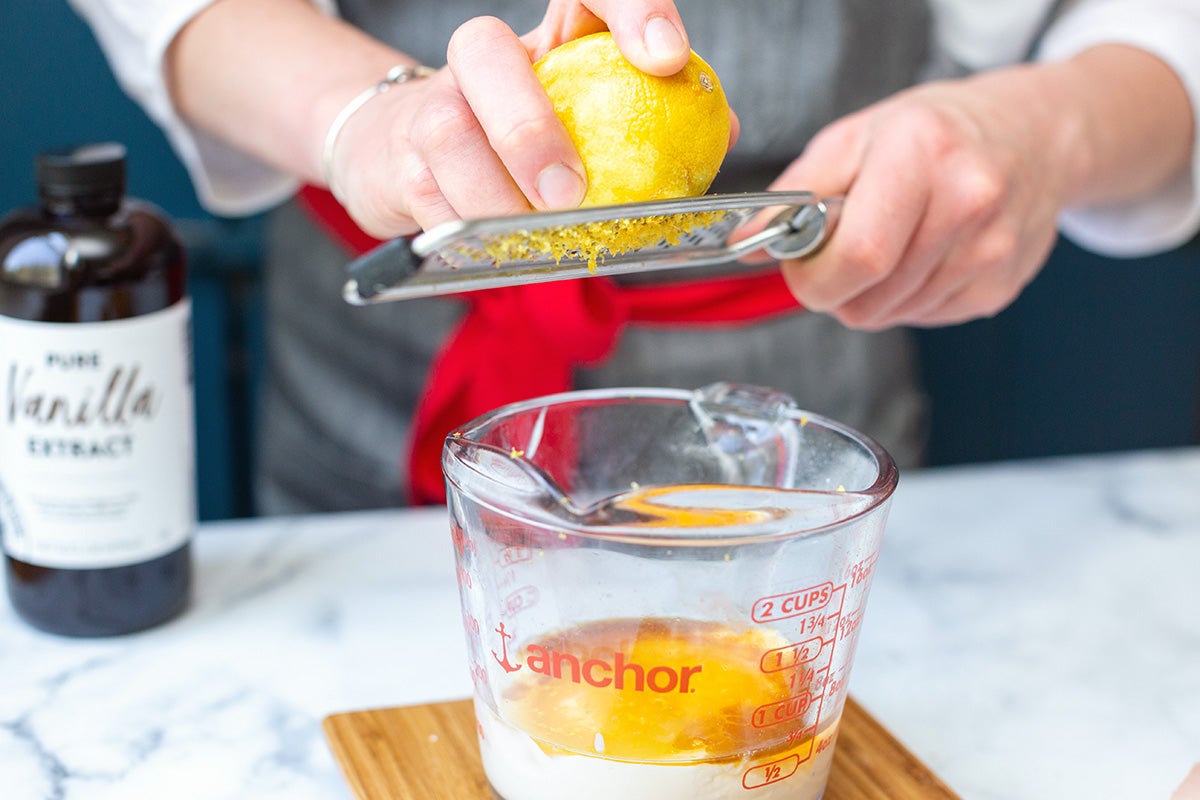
(502, 659)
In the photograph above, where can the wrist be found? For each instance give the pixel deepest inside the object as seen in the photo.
(338, 68)
(1131, 116)
(398, 74)
(1068, 128)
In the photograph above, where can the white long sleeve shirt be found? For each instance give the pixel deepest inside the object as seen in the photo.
(979, 34)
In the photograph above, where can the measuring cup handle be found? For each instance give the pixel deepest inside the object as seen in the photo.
(810, 226)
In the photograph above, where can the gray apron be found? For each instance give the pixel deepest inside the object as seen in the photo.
(342, 382)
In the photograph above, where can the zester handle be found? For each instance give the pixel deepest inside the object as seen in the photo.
(808, 227)
(374, 274)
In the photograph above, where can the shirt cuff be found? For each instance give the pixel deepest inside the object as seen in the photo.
(1169, 216)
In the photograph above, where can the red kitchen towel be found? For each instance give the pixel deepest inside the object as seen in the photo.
(521, 342)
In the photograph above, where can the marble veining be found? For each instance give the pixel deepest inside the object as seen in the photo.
(1033, 632)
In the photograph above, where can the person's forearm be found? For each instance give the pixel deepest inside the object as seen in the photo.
(269, 76)
(1134, 122)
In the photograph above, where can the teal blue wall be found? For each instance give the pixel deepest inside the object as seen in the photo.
(56, 89)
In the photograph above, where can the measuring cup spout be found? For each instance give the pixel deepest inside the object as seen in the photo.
(751, 432)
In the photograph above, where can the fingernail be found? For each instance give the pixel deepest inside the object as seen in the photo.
(560, 186)
(663, 40)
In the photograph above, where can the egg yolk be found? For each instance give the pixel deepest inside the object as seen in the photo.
(651, 690)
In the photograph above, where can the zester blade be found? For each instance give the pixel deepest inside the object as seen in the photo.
(468, 255)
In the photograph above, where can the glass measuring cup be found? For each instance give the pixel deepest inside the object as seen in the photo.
(662, 590)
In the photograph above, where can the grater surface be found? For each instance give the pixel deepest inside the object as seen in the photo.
(466, 255)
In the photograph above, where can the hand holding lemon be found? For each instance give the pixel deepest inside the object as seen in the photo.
(482, 138)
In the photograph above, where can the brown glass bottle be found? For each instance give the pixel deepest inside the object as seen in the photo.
(97, 501)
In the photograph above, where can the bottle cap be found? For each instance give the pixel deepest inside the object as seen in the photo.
(88, 169)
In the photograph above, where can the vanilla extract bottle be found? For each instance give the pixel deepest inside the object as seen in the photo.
(97, 494)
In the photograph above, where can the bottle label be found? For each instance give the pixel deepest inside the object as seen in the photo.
(97, 448)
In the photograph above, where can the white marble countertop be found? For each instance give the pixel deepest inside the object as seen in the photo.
(1033, 632)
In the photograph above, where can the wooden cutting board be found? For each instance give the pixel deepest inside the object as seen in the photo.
(430, 752)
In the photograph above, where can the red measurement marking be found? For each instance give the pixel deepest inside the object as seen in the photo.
(479, 676)
(820, 679)
(806, 678)
(849, 623)
(792, 604)
(791, 655)
(802, 735)
(459, 538)
(817, 623)
(781, 711)
(771, 772)
(862, 570)
(514, 554)
(464, 577)
(520, 600)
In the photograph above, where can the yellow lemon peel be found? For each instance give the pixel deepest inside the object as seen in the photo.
(591, 242)
(641, 137)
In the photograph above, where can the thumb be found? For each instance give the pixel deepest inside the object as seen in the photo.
(830, 162)
(827, 168)
(649, 33)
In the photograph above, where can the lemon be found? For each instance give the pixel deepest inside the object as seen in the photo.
(641, 137)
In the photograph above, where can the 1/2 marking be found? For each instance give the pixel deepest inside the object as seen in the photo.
(771, 772)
